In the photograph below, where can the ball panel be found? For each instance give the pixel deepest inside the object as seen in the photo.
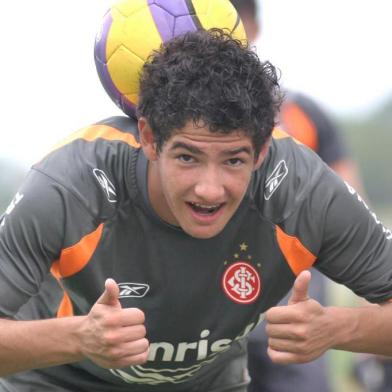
(130, 100)
(126, 8)
(200, 6)
(101, 38)
(127, 105)
(175, 8)
(124, 67)
(239, 32)
(164, 22)
(172, 18)
(183, 24)
(100, 60)
(136, 32)
(220, 14)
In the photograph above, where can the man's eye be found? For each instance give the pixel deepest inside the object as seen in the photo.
(185, 158)
(235, 161)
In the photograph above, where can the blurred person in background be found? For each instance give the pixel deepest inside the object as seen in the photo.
(304, 119)
(373, 372)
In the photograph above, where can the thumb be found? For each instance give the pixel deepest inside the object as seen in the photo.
(110, 295)
(300, 288)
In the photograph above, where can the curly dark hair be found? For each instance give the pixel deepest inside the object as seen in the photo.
(213, 80)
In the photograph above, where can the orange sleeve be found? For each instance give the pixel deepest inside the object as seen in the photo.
(298, 257)
(71, 261)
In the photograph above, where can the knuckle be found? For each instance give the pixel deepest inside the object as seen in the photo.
(145, 344)
(143, 330)
(269, 314)
(274, 344)
(139, 315)
(300, 316)
(114, 354)
(107, 320)
(140, 331)
(300, 332)
(142, 358)
(109, 338)
(268, 329)
(137, 359)
(273, 357)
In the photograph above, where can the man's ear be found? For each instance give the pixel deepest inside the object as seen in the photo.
(262, 154)
(147, 139)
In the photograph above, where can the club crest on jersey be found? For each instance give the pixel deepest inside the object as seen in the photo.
(241, 282)
(275, 179)
(137, 290)
(106, 185)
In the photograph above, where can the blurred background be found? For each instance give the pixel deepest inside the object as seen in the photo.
(334, 51)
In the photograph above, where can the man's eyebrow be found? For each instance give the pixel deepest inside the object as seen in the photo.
(238, 150)
(185, 146)
(196, 150)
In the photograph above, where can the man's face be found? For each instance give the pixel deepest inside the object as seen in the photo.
(199, 178)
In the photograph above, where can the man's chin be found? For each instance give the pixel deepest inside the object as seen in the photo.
(203, 233)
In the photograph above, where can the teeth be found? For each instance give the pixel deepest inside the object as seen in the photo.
(205, 206)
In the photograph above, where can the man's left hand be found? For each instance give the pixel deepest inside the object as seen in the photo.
(298, 332)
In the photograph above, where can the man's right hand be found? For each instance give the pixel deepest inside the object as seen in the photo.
(114, 337)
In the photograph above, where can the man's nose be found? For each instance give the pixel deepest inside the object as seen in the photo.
(209, 186)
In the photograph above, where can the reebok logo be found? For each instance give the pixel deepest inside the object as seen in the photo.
(128, 290)
(275, 179)
(106, 185)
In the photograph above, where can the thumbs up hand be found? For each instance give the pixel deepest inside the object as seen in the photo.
(111, 336)
(300, 288)
(301, 331)
(110, 295)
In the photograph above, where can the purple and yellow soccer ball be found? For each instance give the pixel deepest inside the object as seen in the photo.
(132, 29)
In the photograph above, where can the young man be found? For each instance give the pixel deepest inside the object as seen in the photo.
(171, 238)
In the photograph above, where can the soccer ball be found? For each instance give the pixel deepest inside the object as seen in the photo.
(132, 29)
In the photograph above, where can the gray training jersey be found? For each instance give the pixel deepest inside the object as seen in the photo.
(83, 215)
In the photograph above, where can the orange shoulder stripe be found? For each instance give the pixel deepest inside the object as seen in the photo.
(298, 257)
(65, 307)
(94, 132)
(298, 124)
(75, 258)
(71, 261)
(278, 133)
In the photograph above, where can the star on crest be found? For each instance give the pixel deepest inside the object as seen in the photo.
(243, 247)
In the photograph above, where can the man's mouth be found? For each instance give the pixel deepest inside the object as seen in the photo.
(204, 209)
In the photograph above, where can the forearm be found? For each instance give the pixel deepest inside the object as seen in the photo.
(363, 329)
(36, 344)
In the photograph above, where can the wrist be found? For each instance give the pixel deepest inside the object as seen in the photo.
(344, 326)
(76, 338)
